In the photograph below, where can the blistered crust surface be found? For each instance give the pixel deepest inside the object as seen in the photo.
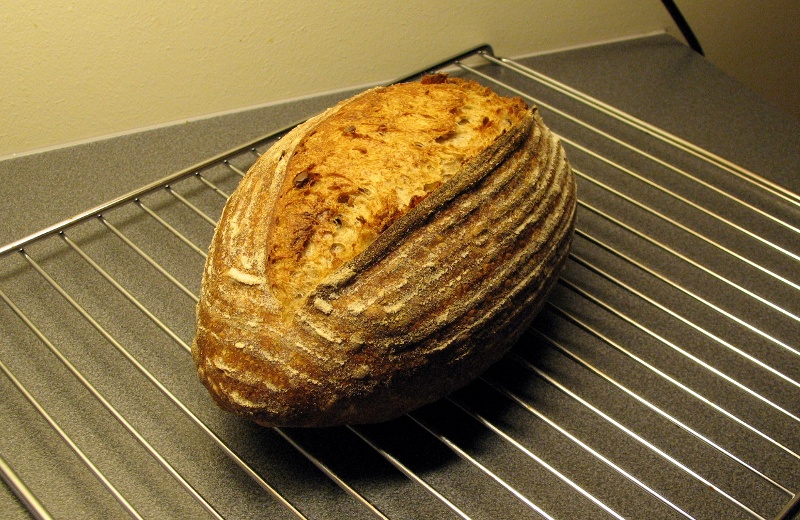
(429, 303)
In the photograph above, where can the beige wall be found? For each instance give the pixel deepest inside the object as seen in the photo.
(85, 69)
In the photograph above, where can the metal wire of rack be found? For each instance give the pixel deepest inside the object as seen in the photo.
(662, 380)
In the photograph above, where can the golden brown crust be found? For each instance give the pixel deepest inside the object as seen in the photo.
(429, 290)
(360, 169)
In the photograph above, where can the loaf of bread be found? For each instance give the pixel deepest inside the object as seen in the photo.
(382, 254)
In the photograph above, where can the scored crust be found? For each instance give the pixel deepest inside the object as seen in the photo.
(360, 169)
(382, 254)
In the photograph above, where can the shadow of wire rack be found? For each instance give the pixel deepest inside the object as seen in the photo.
(662, 379)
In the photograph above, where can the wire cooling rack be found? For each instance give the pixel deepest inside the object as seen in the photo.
(661, 380)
